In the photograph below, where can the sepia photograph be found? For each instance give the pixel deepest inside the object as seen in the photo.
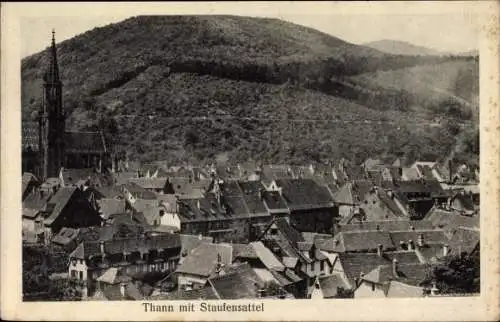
(273, 155)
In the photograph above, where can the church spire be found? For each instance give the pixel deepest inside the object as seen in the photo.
(52, 74)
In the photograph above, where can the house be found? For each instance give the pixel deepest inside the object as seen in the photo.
(132, 192)
(353, 266)
(238, 282)
(271, 172)
(449, 220)
(190, 242)
(462, 203)
(91, 259)
(311, 206)
(115, 285)
(152, 210)
(379, 282)
(429, 245)
(350, 195)
(68, 208)
(29, 183)
(328, 287)
(358, 241)
(34, 206)
(202, 263)
(110, 206)
(156, 185)
(222, 213)
(464, 241)
(387, 225)
(418, 196)
(301, 257)
(84, 177)
(187, 188)
(169, 214)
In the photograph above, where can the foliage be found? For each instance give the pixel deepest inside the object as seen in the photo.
(458, 274)
(191, 88)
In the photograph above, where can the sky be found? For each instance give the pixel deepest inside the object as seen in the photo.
(453, 30)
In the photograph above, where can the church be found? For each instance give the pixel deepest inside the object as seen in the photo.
(46, 145)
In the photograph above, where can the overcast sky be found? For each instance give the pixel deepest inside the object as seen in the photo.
(453, 31)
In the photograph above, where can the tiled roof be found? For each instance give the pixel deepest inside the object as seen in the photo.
(430, 236)
(353, 192)
(411, 274)
(123, 177)
(29, 135)
(274, 201)
(35, 201)
(114, 275)
(388, 225)
(190, 242)
(275, 171)
(267, 257)
(201, 261)
(139, 192)
(150, 209)
(134, 244)
(204, 293)
(60, 200)
(65, 236)
(355, 241)
(242, 283)
(464, 240)
(304, 194)
(89, 142)
(450, 220)
(356, 263)
(330, 284)
(109, 206)
(401, 290)
(149, 183)
(244, 251)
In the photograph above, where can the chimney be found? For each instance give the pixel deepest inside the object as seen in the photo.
(395, 268)
(420, 240)
(122, 289)
(445, 250)
(410, 244)
(380, 250)
(200, 237)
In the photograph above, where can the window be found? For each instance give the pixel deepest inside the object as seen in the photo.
(80, 275)
(373, 287)
(73, 273)
(322, 266)
(274, 231)
(313, 266)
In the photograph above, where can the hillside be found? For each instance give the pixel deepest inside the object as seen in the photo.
(187, 88)
(397, 47)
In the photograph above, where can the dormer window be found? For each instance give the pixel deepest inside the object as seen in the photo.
(274, 231)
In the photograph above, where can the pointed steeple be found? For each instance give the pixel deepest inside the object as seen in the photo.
(52, 73)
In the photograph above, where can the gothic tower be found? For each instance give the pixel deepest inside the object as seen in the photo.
(51, 119)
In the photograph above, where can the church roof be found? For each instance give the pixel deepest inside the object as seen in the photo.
(86, 142)
(90, 142)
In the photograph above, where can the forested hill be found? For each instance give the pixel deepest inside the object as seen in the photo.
(398, 47)
(188, 88)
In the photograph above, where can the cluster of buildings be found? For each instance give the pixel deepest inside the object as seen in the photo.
(249, 231)
(155, 231)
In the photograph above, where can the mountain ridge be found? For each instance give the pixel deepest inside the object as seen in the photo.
(253, 68)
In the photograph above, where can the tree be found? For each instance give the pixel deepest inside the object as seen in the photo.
(458, 274)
